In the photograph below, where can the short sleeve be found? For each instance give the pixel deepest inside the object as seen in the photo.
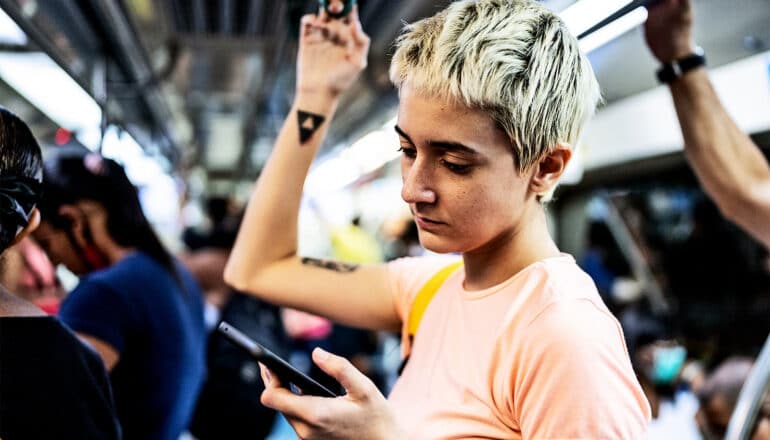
(96, 309)
(573, 377)
(406, 277)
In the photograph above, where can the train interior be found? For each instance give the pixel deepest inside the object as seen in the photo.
(189, 96)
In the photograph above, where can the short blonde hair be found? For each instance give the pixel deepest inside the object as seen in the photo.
(514, 59)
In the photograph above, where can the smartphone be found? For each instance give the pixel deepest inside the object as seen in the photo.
(345, 11)
(288, 375)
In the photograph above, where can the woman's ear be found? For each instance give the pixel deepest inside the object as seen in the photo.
(72, 215)
(34, 222)
(550, 168)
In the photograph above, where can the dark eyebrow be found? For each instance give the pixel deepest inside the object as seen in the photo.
(443, 145)
(402, 134)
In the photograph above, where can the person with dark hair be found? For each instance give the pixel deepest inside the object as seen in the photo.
(229, 406)
(51, 385)
(139, 308)
(719, 394)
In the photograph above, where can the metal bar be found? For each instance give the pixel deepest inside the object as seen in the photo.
(198, 16)
(46, 45)
(133, 57)
(617, 14)
(635, 256)
(751, 398)
(254, 18)
(226, 17)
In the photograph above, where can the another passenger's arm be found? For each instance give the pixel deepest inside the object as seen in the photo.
(110, 356)
(264, 260)
(731, 168)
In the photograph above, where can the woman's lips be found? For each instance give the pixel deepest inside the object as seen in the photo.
(427, 224)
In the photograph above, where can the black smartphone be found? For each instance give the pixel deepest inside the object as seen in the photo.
(345, 11)
(287, 374)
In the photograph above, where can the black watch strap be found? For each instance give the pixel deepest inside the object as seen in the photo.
(675, 69)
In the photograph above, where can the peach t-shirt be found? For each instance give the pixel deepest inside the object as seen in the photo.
(537, 356)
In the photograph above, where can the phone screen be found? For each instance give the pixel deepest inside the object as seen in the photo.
(289, 376)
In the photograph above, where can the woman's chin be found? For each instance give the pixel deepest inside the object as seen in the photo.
(440, 245)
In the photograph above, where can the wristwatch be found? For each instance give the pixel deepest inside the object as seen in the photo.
(669, 72)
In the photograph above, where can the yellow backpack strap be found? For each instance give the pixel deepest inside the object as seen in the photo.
(426, 294)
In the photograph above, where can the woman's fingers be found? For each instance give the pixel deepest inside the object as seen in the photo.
(356, 384)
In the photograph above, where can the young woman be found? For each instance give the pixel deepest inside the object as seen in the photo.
(51, 385)
(139, 308)
(516, 343)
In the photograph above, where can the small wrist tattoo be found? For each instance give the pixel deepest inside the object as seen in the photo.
(308, 124)
(336, 266)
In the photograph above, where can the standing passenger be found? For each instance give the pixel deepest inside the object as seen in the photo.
(729, 165)
(135, 305)
(517, 342)
(51, 385)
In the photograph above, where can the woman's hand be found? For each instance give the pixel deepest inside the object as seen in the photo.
(668, 30)
(331, 53)
(361, 413)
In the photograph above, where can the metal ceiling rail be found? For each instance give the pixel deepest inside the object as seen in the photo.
(132, 56)
(41, 40)
(633, 248)
(617, 14)
(92, 40)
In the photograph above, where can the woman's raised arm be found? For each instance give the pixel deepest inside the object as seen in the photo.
(264, 260)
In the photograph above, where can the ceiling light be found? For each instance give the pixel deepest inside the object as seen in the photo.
(584, 14)
(10, 32)
(614, 29)
(367, 154)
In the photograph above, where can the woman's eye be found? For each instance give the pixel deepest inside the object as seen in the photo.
(456, 168)
(408, 152)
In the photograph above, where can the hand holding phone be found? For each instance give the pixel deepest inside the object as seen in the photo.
(362, 413)
(287, 374)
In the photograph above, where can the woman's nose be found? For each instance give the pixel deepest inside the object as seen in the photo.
(416, 188)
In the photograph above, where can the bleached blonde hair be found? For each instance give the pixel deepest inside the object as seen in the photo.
(514, 59)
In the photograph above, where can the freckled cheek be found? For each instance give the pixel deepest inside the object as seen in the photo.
(472, 211)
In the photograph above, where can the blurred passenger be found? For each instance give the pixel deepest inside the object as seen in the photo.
(607, 266)
(135, 305)
(51, 385)
(228, 406)
(659, 364)
(517, 343)
(719, 394)
(223, 219)
(762, 426)
(354, 244)
(402, 239)
(731, 168)
(29, 274)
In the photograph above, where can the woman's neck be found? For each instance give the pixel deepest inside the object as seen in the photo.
(116, 253)
(509, 253)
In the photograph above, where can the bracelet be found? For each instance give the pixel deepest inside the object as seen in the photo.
(669, 72)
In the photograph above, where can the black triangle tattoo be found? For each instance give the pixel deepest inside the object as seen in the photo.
(308, 124)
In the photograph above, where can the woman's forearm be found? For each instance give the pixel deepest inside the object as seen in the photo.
(269, 229)
(731, 168)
